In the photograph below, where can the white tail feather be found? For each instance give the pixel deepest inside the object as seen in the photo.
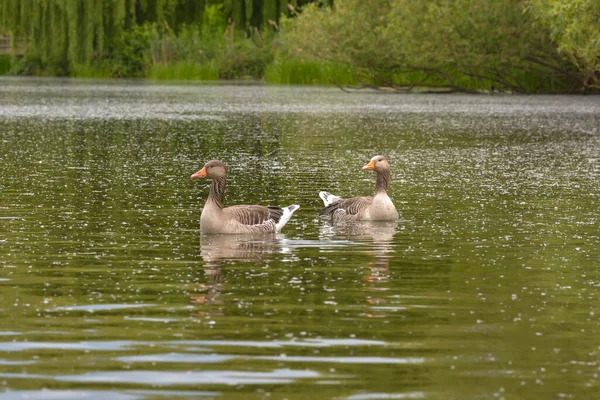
(328, 198)
(287, 214)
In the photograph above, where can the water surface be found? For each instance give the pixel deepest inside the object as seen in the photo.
(487, 287)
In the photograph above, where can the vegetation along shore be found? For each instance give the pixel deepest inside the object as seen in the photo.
(516, 46)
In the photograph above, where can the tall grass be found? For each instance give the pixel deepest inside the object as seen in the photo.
(5, 64)
(291, 71)
(184, 70)
(99, 69)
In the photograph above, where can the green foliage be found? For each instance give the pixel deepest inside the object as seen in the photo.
(298, 71)
(60, 33)
(215, 19)
(241, 57)
(232, 54)
(128, 55)
(183, 70)
(442, 45)
(575, 27)
(65, 36)
(453, 45)
(32, 64)
(99, 69)
(5, 64)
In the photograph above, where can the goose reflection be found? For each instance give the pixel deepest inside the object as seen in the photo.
(217, 250)
(380, 236)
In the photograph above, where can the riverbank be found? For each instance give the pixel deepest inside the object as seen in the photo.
(281, 70)
(507, 47)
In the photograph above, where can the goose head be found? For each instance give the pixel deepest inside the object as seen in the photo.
(212, 169)
(378, 164)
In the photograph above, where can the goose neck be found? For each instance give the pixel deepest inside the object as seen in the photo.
(217, 191)
(383, 181)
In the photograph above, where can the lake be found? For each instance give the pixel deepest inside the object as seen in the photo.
(487, 287)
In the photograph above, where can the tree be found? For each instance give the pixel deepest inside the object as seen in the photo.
(61, 34)
(574, 26)
(452, 45)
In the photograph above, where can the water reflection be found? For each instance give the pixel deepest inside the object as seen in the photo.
(217, 250)
(379, 235)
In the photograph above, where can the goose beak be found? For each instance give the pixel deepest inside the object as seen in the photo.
(370, 166)
(200, 174)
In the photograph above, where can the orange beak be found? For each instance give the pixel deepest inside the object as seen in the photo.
(370, 166)
(200, 174)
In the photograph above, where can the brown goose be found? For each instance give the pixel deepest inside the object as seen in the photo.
(372, 208)
(236, 219)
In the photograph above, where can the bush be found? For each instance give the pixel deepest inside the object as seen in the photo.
(5, 64)
(443, 46)
(183, 70)
(129, 55)
(244, 57)
(99, 69)
(193, 52)
(294, 70)
(30, 64)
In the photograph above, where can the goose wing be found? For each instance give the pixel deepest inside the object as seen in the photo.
(254, 214)
(350, 206)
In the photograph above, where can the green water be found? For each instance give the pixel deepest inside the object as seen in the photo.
(488, 287)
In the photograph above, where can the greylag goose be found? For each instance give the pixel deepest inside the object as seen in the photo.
(236, 219)
(372, 208)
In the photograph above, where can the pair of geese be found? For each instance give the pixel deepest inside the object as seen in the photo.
(255, 219)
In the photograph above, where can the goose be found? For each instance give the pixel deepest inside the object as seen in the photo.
(369, 208)
(242, 219)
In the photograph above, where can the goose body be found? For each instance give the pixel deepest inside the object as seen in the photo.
(241, 219)
(364, 208)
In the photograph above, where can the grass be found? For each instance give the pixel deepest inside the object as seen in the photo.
(180, 70)
(303, 72)
(5, 64)
(294, 71)
(184, 70)
(96, 70)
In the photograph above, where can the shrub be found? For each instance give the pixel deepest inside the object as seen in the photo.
(128, 58)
